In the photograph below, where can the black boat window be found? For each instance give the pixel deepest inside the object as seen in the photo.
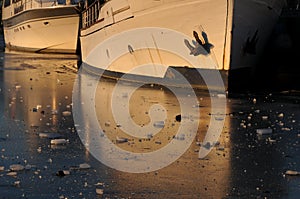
(6, 3)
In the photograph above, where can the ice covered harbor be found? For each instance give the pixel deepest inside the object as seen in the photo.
(42, 156)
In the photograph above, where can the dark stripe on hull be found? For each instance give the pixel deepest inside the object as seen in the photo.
(193, 76)
(46, 50)
(40, 13)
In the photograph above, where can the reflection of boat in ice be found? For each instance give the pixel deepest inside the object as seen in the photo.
(40, 26)
(224, 35)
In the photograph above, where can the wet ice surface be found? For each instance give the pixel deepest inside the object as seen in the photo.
(36, 107)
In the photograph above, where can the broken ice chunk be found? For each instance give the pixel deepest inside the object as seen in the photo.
(292, 173)
(159, 124)
(264, 131)
(16, 167)
(58, 141)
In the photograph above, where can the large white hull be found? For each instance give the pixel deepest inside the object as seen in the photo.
(51, 30)
(236, 30)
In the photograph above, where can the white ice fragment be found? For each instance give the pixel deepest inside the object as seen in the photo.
(264, 131)
(59, 141)
(54, 112)
(66, 113)
(99, 184)
(264, 117)
(16, 167)
(84, 166)
(221, 148)
(280, 115)
(66, 172)
(99, 191)
(158, 142)
(219, 118)
(159, 124)
(271, 140)
(11, 174)
(28, 167)
(121, 140)
(17, 183)
(292, 173)
(221, 95)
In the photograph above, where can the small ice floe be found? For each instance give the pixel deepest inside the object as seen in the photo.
(220, 148)
(121, 139)
(219, 118)
(49, 135)
(158, 142)
(264, 131)
(292, 173)
(28, 167)
(99, 184)
(159, 124)
(207, 145)
(270, 140)
(66, 113)
(13, 174)
(62, 173)
(221, 95)
(84, 166)
(280, 115)
(107, 123)
(54, 112)
(59, 141)
(99, 191)
(17, 183)
(264, 117)
(180, 137)
(16, 167)
(39, 150)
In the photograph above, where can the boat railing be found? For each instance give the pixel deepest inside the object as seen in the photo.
(22, 5)
(91, 13)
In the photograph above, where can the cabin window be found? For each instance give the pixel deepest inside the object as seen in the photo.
(6, 3)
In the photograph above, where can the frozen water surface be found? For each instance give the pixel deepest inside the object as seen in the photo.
(36, 107)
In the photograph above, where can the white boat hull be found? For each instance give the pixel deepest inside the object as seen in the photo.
(41, 30)
(236, 31)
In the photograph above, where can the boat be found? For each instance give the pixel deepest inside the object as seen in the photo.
(172, 40)
(41, 26)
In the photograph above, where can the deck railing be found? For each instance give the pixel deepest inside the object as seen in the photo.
(90, 15)
(21, 5)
